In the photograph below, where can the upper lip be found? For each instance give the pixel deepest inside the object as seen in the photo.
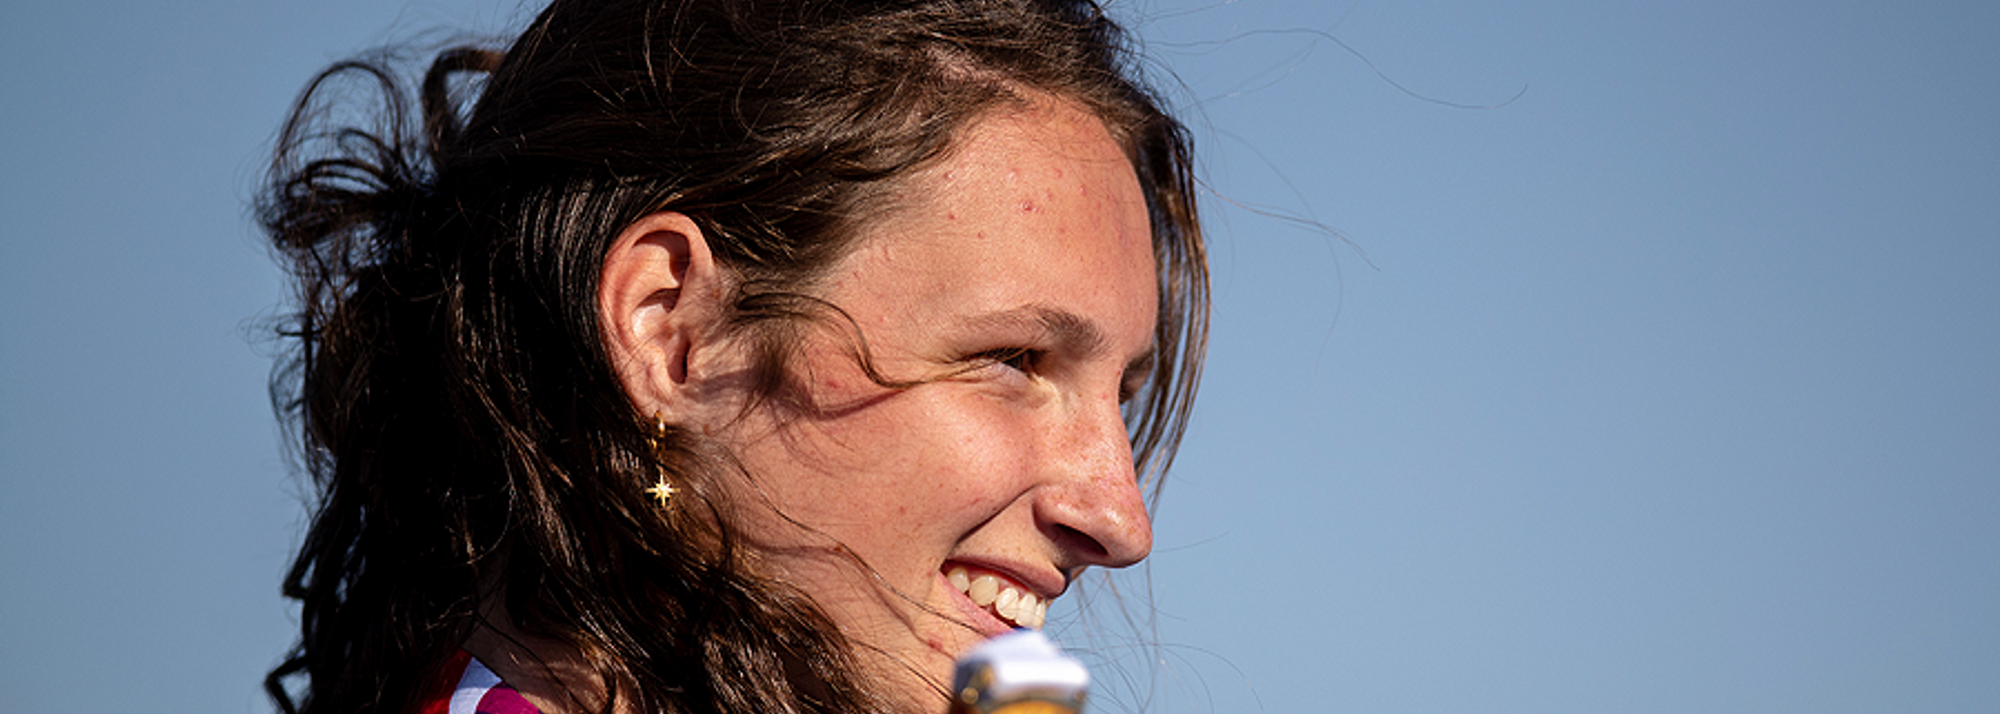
(1044, 583)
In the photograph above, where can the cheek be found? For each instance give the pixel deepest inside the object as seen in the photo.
(918, 458)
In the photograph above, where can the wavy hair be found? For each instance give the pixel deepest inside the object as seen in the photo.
(448, 385)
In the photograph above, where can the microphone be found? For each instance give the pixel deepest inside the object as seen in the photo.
(1021, 672)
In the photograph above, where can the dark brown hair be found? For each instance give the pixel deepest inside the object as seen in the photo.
(452, 395)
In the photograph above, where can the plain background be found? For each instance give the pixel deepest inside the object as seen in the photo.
(1661, 380)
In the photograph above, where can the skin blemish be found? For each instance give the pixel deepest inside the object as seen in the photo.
(1027, 206)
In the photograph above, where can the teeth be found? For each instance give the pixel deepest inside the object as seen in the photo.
(1005, 603)
(1008, 603)
(985, 589)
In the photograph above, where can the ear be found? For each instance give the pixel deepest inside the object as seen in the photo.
(660, 299)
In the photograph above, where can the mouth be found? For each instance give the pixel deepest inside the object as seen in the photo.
(1000, 596)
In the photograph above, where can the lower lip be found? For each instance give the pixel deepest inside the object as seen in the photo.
(978, 617)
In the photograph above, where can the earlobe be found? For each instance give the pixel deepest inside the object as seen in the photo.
(657, 301)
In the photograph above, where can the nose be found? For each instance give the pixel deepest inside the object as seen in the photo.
(1091, 505)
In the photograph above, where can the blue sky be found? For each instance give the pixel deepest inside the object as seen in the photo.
(1663, 382)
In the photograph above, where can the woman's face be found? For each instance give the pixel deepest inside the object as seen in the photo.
(972, 500)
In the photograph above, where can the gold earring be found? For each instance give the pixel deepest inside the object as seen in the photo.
(662, 490)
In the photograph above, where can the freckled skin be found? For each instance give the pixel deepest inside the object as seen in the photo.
(1027, 473)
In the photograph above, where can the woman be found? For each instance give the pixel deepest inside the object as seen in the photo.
(727, 356)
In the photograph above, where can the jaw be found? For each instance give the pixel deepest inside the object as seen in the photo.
(940, 626)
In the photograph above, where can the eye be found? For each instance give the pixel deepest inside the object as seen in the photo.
(1136, 377)
(1019, 359)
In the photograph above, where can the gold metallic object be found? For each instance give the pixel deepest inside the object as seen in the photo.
(662, 489)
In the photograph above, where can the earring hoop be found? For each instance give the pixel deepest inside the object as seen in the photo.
(662, 489)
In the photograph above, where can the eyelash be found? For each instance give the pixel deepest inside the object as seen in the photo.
(1026, 360)
(1021, 359)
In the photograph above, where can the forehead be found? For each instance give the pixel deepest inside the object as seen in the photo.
(1035, 205)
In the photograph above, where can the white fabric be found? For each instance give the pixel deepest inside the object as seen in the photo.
(472, 687)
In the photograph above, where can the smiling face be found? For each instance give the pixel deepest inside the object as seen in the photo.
(1020, 280)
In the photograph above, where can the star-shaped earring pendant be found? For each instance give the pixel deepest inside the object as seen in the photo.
(661, 491)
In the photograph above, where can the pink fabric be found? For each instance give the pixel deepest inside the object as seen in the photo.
(477, 690)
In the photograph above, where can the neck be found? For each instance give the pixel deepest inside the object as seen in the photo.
(551, 674)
